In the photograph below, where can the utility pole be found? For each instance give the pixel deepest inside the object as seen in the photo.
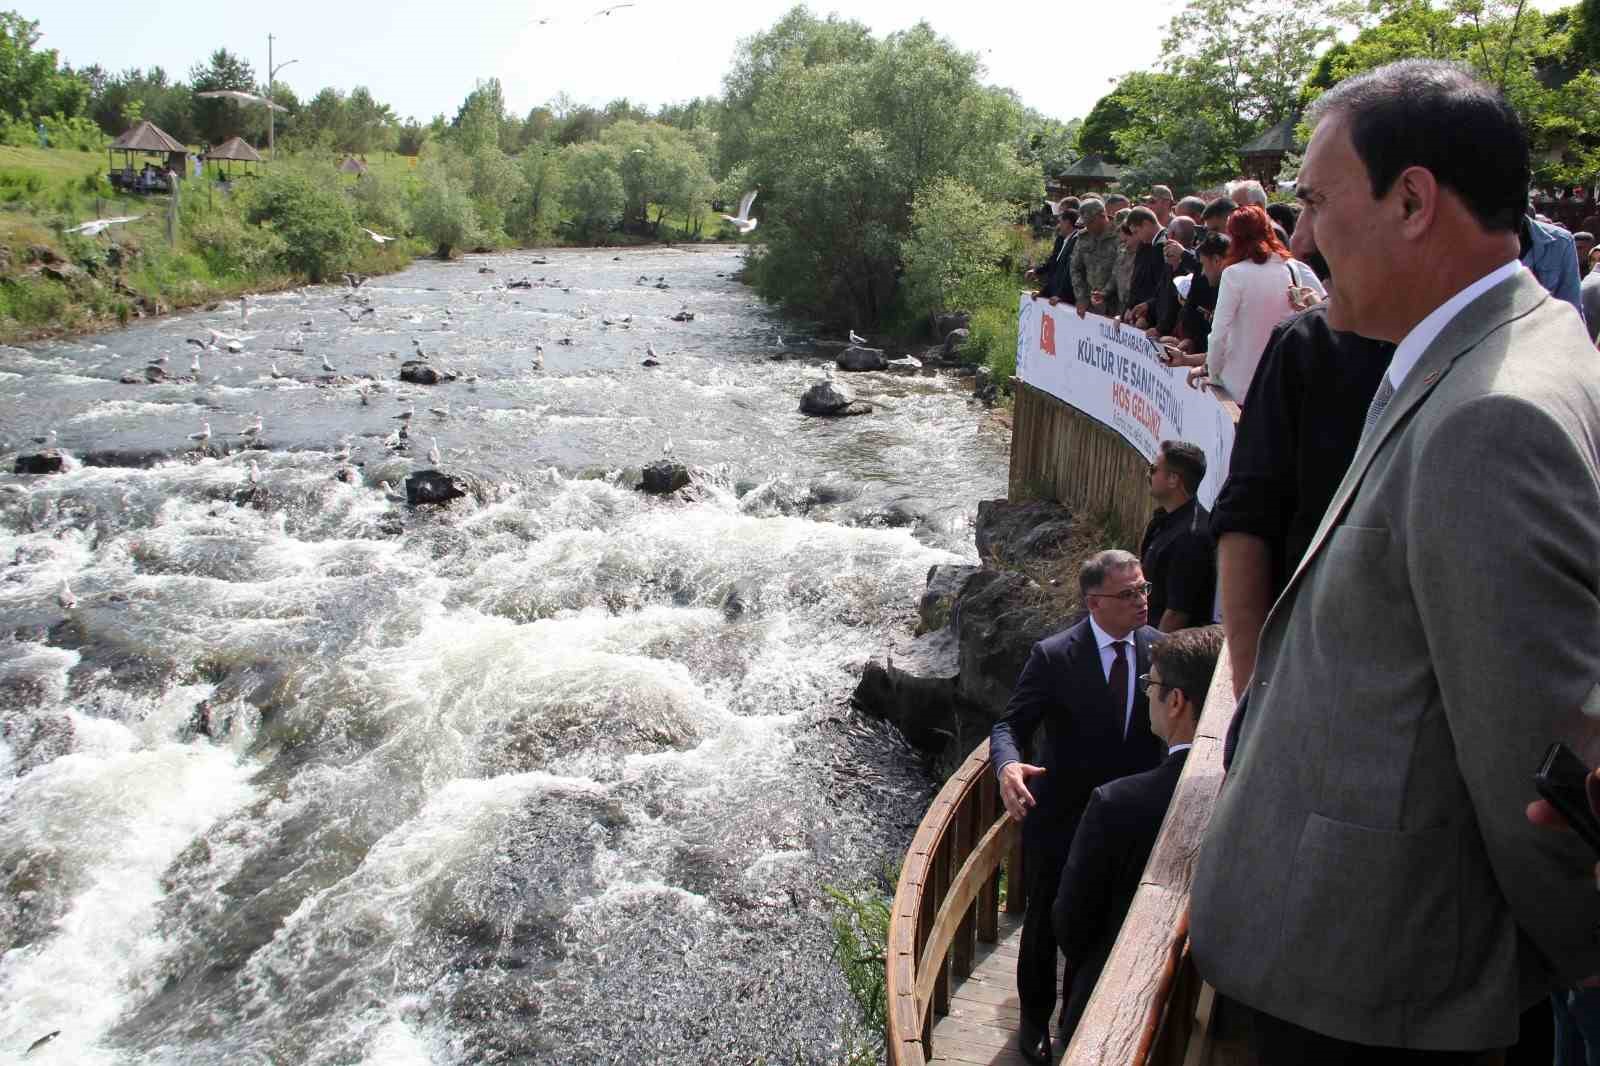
(272, 114)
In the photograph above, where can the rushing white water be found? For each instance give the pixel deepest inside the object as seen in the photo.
(556, 775)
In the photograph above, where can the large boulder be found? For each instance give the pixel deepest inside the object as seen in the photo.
(825, 398)
(998, 618)
(956, 340)
(1027, 535)
(915, 686)
(945, 582)
(432, 486)
(420, 373)
(663, 477)
(955, 320)
(49, 461)
(856, 357)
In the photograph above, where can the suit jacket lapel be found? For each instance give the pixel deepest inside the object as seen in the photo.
(1506, 302)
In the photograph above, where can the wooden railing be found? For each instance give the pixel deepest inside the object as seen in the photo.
(947, 901)
(1144, 1009)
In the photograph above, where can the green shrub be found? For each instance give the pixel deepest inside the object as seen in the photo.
(956, 244)
(442, 213)
(994, 339)
(312, 218)
(379, 205)
(19, 186)
(232, 247)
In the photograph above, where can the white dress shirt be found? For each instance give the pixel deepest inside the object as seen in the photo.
(1179, 747)
(1252, 298)
(1427, 331)
(1108, 654)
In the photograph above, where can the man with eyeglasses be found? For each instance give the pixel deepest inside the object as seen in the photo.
(1080, 685)
(1119, 827)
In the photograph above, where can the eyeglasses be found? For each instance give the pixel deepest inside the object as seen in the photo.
(1146, 681)
(1141, 591)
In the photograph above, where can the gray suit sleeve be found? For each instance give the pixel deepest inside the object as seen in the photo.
(1506, 589)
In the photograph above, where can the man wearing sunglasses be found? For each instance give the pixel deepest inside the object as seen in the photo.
(1119, 827)
(1079, 684)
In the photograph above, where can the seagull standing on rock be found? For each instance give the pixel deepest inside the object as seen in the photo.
(409, 413)
(204, 436)
(327, 367)
(253, 430)
(433, 453)
(856, 338)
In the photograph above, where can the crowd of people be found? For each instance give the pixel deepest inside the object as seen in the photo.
(1405, 561)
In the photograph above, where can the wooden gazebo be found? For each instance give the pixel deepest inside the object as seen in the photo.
(233, 150)
(146, 139)
(1262, 158)
(1089, 174)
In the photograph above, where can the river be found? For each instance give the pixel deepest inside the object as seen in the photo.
(557, 775)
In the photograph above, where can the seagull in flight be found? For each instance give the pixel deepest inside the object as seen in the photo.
(377, 238)
(609, 10)
(742, 221)
(99, 225)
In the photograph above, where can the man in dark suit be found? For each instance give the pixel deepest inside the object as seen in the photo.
(1079, 684)
(1177, 553)
(1119, 827)
(1055, 273)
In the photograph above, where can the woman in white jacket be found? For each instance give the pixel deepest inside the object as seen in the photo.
(1261, 286)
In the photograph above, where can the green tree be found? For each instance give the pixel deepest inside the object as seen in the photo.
(592, 194)
(311, 216)
(478, 122)
(442, 212)
(955, 245)
(31, 84)
(659, 165)
(217, 120)
(533, 216)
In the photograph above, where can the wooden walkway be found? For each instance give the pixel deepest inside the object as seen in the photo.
(981, 1027)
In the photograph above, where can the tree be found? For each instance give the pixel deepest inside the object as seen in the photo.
(593, 193)
(217, 120)
(658, 165)
(533, 215)
(31, 85)
(442, 213)
(311, 216)
(955, 245)
(478, 121)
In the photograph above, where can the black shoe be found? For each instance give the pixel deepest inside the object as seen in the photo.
(1035, 1044)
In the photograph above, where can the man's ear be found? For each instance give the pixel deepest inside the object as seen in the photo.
(1416, 192)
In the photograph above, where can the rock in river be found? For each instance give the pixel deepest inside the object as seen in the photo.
(663, 476)
(48, 461)
(420, 373)
(858, 358)
(432, 486)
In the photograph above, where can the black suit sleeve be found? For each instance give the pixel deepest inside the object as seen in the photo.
(1036, 690)
(1083, 898)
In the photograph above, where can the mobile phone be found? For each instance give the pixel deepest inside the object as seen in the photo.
(1563, 781)
(1170, 352)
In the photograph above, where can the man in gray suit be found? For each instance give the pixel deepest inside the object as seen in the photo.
(1369, 889)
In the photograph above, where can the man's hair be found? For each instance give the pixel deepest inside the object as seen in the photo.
(1221, 207)
(1068, 214)
(1247, 191)
(1140, 215)
(1432, 114)
(1285, 215)
(1116, 198)
(1215, 244)
(1182, 229)
(1102, 564)
(1186, 661)
(1160, 192)
(1187, 461)
(1070, 201)
(1192, 206)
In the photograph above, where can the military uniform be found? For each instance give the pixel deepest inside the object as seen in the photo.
(1094, 264)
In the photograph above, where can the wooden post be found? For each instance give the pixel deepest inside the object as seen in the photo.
(172, 216)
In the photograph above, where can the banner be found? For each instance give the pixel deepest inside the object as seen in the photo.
(1113, 374)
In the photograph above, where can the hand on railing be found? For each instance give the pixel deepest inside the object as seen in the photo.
(1014, 788)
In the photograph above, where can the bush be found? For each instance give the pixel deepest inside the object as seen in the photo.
(442, 213)
(593, 195)
(312, 218)
(233, 248)
(956, 243)
(378, 204)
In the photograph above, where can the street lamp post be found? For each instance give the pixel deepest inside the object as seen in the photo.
(272, 76)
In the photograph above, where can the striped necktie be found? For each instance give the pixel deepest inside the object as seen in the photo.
(1380, 401)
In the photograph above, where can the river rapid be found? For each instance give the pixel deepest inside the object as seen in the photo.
(556, 775)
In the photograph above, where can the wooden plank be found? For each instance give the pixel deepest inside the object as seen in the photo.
(964, 946)
(966, 1031)
(979, 1055)
(936, 948)
(967, 882)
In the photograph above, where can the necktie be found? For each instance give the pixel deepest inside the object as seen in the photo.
(1375, 411)
(1118, 682)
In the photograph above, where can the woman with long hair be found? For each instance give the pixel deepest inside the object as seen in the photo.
(1262, 284)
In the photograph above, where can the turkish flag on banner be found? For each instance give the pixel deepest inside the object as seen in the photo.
(1047, 335)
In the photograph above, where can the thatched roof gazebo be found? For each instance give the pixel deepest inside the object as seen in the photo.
(233, 150)
(146, 139)
(1089, 174)
(1263, 157)
(352, 165)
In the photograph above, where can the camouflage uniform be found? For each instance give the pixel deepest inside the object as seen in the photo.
(1094, 263)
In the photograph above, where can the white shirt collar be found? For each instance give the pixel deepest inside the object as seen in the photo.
(1179, 747)
(1427, 331)
(1104, 640)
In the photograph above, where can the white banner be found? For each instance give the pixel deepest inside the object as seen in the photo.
(1113, 374)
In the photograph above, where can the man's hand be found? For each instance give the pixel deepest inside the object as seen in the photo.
(1034, 294)
(1540, 812)
(1054, 300)
(1030, 273)
(1174, 254)
(1014, 788)
(1138, 311)
(1199, 378)
(1082, 310)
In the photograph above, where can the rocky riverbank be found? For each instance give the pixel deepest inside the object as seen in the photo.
(947, 682)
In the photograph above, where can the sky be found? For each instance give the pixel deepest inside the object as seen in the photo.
(422, 57)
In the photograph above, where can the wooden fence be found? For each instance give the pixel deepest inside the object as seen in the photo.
(1060, 453)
